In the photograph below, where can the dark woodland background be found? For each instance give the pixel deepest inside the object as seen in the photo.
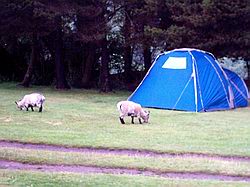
(110, 44)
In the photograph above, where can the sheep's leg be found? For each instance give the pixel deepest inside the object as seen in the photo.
(32, 108)
(140, 120)
(41, 108)
(132, 121)
(27, 108)
(121, 120)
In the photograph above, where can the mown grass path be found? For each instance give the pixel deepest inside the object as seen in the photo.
(147, 171)
(12, 165)
(130, 152)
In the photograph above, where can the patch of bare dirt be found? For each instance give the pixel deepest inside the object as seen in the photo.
(129, 152)
(11, 165)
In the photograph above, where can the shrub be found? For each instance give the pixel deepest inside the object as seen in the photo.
(238, 65)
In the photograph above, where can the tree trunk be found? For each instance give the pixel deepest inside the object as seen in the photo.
(248, 70)
(33, 62)
(87, 66)
(147, 58)
(61, 82)
(248, 75)
(104, 68)
(128, 64)
(127, 51)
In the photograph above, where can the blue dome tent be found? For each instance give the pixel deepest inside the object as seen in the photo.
(239, 88)
(190, 80)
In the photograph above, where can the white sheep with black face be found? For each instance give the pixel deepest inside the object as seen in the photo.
(31, 100)
(129, 108)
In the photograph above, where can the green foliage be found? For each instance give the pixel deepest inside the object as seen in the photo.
(220, 27)
(216, 26)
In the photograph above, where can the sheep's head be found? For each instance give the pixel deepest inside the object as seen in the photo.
(18, 104)
(145, 117)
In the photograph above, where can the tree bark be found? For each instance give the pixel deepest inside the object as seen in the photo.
(61, 82)
(147, 57)
(248, 75)
(87, 66)
(248, 70)
(127, 51)
(104, 68)
(33, 62)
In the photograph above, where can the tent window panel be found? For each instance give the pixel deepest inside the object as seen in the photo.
(175, 63)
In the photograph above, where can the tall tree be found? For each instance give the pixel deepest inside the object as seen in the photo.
(32, 19)
(218, 26)
(214, 25)
(147, 18)
(90, 31)
(128, 49)
(20, 19)
(61, 82)
(33, 62)
(87, 64)
(104, 68)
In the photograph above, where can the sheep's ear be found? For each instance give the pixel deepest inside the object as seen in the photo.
(148, 111)
(16, 102)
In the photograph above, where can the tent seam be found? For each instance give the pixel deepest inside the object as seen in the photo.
(237, 88)
(220, 80)
(198, 82)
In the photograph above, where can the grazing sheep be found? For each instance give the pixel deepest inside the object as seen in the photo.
(129, 108)
(31, 100)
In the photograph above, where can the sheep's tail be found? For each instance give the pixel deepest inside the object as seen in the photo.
(119, 106)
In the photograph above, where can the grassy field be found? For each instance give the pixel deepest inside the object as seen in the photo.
(26, 178)
(87, 118)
